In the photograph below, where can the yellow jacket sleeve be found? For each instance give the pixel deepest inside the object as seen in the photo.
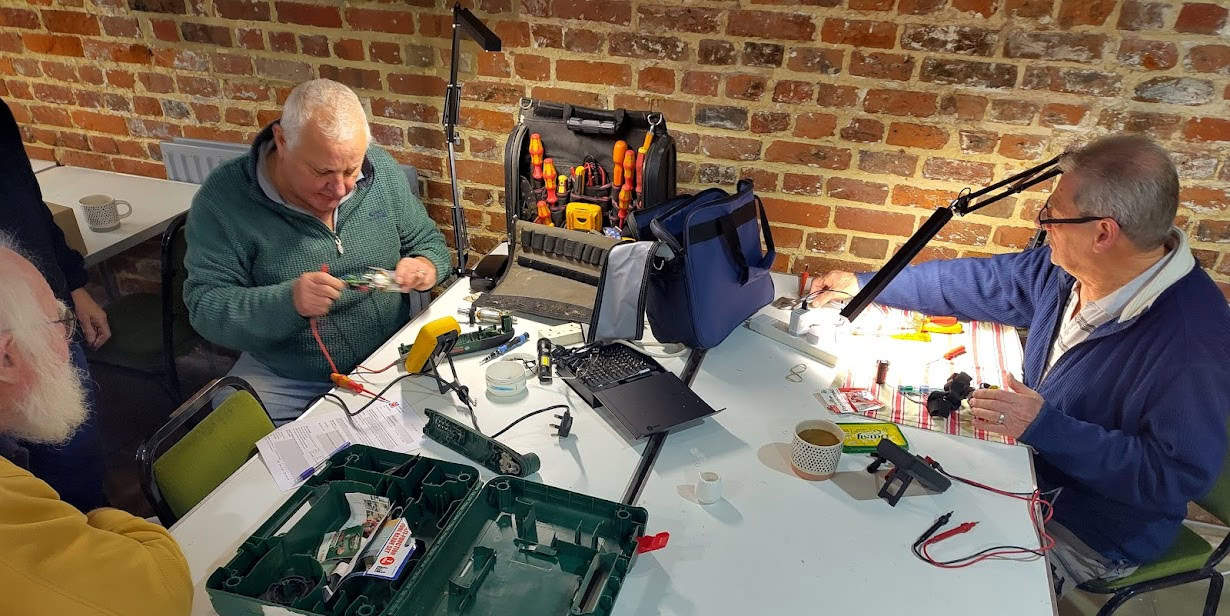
(56, 560)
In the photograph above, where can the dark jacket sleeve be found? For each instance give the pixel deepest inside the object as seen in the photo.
(1002, 288)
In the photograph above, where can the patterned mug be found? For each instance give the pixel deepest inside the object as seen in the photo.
(102, 213)
(816, 449)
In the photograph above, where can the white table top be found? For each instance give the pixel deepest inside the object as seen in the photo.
(785, 543)
(154, 203)
(41, 165)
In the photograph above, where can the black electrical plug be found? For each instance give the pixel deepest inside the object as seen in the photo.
(564, 428)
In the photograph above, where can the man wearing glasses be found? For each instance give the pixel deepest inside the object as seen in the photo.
(1123, 396)
(58, 559)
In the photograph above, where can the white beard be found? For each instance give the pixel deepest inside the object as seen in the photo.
(55, 407)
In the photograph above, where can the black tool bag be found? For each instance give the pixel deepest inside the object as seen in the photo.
(553, 270)
(572, 136)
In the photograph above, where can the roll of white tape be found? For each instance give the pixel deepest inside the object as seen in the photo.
(505, 378)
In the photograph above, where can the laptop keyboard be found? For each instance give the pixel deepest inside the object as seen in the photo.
(610, 365)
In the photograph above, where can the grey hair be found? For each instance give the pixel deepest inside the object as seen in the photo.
(330, 107)
(19, 311)
(1130, 179)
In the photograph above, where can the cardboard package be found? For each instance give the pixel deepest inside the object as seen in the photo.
(66, 219)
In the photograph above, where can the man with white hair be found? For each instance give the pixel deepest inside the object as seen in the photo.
(312, 192)
(1123, 396)
(56, 559)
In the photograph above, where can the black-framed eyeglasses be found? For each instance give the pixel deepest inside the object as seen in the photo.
(1043, 218)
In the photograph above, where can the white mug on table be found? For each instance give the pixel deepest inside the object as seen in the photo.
(102, 212)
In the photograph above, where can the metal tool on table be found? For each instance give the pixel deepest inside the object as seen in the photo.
(506, 347)
(479, 340)
(492, 454)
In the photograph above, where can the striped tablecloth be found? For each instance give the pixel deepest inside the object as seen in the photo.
(991, 349)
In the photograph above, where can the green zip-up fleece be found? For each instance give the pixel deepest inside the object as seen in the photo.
(245, 252)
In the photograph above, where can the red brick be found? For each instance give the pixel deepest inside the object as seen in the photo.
(900, 102)
(795, 92)
(977, 141)
(127, 27)
(872, 5)
(764, 181)
(958, 170)
(802, 184)
(634, 45)
(532, 67)
(857, 190)
(921, 197)
(1151, 55)
(59, 70)
(1204, 200)
(701, 83)
(1213, 231)
(197, 86)
(246, 92)
(961, 232)
(249, 10)
(796, 212)
(881, 65)
(771, 25)
(609, 11)
(868, 248)
(964, 106)
(512, 33)
(873, 221)
(357, 78)
(745, 87)
(55, 45)
(919, 7)
(483, 119)
(583, 41)
(730, 148)
(1072, 81)
(1207, 129)
(698, 20)
(604, 73)
(51, 115)
(1059, 114)
(242, 117)
(567, 95)
(892, 163)
(1175, 90)
(1138, 15)
(11, 42)
(400, 110)
(825, 242)
(1022, 147)
(19, 18)
(47, 93)
(547, 35)
(416, 84)
(84, 159)
(388, 136)
(986, 8)
(435, 26)
(207, 113)
(489, 64)
(1072, 46)
(864, 130)
(1012, 111)
(165, 30)
(809, 154)
(656, 79)
(283, 41)
(397, 22)
(92, 75)
(316, 45)
(1201, 18)
(859, 33)
(100, 122)
(248, 38)
(815, 125)
(966, 73)
(480, 172)
(265, 117)
(1156, 125)
(493, 92)
(1084, 12)
(766, 55)
(70, 22)
(121, 79)
(814, 60)
(183, 59)
(917, 135)
(85, 98)
(1209, 59)
(286, 70)
(204, 33)
(674, 111)
(1013, 237)
(308, 14)
(1027, 8)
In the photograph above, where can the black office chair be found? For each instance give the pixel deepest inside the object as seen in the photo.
(149, 331)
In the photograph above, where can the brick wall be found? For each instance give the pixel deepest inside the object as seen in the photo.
(855, 117)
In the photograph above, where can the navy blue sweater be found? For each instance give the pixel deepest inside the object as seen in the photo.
(24, 216)
(1134, 423)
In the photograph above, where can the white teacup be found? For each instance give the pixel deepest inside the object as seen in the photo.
(817, 460)
(102, 212)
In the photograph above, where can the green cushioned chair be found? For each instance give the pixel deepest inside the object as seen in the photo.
(150, 330)
(1190, 559)
(205, 440)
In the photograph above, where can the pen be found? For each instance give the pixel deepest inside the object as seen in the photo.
(311, 470)
(506, 347)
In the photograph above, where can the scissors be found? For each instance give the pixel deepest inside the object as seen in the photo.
(796, 373)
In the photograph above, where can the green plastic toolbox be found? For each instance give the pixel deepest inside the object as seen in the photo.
(508, 547)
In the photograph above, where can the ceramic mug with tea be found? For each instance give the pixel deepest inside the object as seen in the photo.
(816, 449)
(102, 212)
